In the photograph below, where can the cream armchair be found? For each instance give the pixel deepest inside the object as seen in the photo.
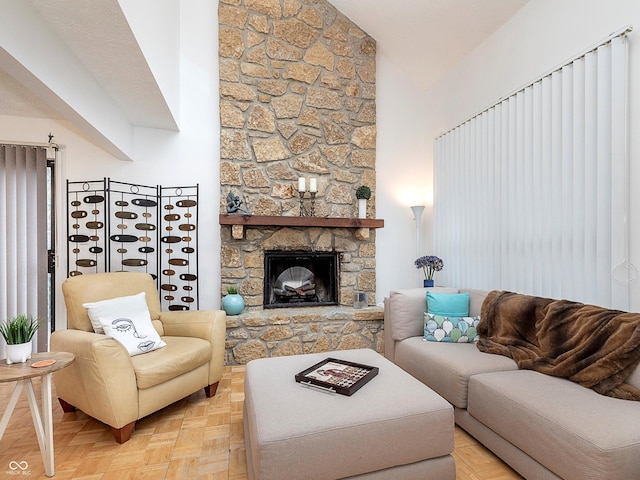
(117, 389)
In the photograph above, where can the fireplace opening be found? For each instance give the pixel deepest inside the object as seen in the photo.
(300, 279)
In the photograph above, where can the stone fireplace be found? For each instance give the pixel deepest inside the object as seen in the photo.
(262, 332)
(297, 99)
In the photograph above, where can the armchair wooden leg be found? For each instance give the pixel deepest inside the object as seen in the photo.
(66, 407)
(123, 434)
(210, 390)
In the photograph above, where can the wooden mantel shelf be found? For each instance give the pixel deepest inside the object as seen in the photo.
(238, 222)
(276, 221)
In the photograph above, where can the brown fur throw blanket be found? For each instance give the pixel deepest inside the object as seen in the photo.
(593, 346)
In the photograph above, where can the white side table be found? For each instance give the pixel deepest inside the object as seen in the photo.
(23, 374)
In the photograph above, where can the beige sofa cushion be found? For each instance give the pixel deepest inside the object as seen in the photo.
(182, 354)
(476, 297)
(446, 367)
(571, 430)
(634, 378)
(407, 309)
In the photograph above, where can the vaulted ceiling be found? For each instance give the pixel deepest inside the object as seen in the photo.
(422, 38)
(98, 35)
(425, 38)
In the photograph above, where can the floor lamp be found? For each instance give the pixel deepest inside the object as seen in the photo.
(417, 215)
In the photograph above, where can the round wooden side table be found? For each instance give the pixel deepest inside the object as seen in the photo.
(23, 374)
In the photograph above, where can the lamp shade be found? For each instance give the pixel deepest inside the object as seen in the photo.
(417, 212)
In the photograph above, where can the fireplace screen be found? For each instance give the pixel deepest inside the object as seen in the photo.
(300, 279)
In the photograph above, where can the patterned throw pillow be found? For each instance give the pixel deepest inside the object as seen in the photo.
(438, 328)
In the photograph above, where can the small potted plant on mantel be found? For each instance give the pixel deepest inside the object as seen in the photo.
(18, 332)
(363, 193)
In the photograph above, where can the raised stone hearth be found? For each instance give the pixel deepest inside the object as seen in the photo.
(292, 331)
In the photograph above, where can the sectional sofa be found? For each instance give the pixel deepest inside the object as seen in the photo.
(543, 426)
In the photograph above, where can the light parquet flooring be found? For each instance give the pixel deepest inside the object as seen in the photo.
(195, 438)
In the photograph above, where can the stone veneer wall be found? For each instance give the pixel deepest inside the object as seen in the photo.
(297, 99)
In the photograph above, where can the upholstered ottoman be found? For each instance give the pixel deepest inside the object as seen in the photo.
(393, 427)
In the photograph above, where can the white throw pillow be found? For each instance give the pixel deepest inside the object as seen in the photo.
(114, 306)
(127, 320)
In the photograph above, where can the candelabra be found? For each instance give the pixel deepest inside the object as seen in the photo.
(313, 204)
(303, 211)
(302, 190)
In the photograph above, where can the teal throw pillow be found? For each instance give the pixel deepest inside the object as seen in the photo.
(438, 328)
(448, 304)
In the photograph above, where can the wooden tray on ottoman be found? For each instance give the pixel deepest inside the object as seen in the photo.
(337, 376)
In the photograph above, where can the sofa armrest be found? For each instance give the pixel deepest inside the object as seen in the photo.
(101, 382)
(389, 342)
(210, 325)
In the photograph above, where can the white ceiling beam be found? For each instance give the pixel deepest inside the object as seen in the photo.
(36, 57)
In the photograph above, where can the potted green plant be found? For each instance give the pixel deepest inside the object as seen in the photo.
(363, 193)
(18, 332)
(233, 303)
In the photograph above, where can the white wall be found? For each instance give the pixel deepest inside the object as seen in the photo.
(162, 157)
(541, 36)
(404, 178)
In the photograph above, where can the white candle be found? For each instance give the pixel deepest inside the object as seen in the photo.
(301, 185)
(313, 186)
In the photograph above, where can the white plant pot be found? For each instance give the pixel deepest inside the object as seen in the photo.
(18, 353)
(362, 208)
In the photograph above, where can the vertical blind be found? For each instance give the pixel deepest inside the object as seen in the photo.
(23, 236)
(531, 195)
